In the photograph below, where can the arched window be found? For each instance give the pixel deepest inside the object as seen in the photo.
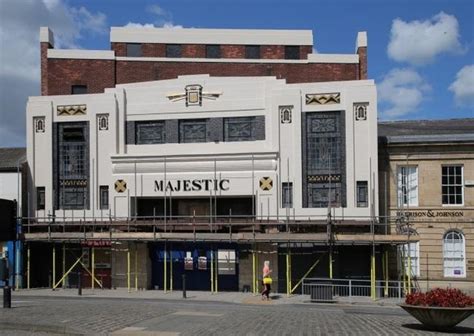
(454, 261)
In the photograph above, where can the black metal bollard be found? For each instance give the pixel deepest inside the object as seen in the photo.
(7, 297)
(184, 286)
(79, 283)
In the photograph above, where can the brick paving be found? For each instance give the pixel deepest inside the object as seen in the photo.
(32, 315)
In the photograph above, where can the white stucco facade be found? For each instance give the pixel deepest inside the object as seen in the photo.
(241, 164)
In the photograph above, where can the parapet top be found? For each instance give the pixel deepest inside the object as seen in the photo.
(211, 36)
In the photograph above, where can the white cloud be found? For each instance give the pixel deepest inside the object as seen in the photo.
(163, 19)
(20, 61)
(401, 92)
(419, 42)
(463, 86)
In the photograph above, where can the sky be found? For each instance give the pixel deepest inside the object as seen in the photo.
(420, 52)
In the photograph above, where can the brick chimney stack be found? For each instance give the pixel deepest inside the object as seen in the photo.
(361, 50)
(46, 42)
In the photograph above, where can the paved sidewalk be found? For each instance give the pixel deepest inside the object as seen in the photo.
(229, 297)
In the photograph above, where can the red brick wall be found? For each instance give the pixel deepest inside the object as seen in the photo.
(130, 71)
(305, 50)
(362, 52)
(272, 52)
(193, 50)
(63, 73)
(44, 67)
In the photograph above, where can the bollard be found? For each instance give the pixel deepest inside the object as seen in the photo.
(184, 286)
(79, 283)
(7, 296)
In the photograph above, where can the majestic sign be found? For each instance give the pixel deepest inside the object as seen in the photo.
(192, 185)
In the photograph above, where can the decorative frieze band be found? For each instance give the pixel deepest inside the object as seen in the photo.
(70, 110)
(323, 98)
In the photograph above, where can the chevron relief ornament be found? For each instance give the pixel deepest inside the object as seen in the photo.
(323, 98)
(266, 183)
(71, 110)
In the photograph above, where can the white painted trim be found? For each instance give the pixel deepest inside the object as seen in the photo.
(333, 58)
(46, 35)
(361, 40)
(312, 58)
(81, 54)
(211, 36)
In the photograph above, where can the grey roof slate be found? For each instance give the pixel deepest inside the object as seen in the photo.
(9, 158)
(425, 127)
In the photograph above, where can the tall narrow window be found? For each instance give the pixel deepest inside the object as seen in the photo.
(452, 180)
(173, 50)
(213, 51)
(40, 198)
(292, 52)
(362, 194)
(411, 258)
(408, 186)
(454, 261)
(104, 197)
(78, 89)
(252, 51)
(287, 195)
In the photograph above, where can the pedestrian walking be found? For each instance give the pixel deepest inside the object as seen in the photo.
(266, 280)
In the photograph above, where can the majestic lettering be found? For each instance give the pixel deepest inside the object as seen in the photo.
(193, 185)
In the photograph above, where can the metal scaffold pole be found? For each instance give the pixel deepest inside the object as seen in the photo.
(165, 274)
(64, 265)
(93, 268)
(386, 273)
(171, 269)
(128, 267)
(254, 272)
(28, 254)
(54, 264)
(212, 271)
(136, 266)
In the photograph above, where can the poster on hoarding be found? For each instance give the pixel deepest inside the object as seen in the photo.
(188, 263)
(202, 263)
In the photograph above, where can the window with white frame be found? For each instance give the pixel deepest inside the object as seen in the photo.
(410, 253)
(454, 262)
(451, 185)
(408, 186)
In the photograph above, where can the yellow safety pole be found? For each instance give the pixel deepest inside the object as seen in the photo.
(254, 273)
(54, 264)
(165, 275)
(386, 274)
(69, 271)
(64, 264)
(409, 270)
(287, 274)
(330, 264)
(305, 275)
(28, 254)
(171, 270)
(128, 267)
(216, 273)
(212, 271)
(90, 273)
(93, 269)
(136, 267)
(372, 277)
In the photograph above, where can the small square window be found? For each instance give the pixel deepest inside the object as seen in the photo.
(213, 51)
(292, 52)
(78, 89)
(134, 50)
(173, 50)
(40, 198)
(252, 51)
(193, 130)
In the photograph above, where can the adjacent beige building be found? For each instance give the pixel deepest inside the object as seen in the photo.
(427, 188)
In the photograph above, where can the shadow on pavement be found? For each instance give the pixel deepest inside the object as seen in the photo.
(455, 330)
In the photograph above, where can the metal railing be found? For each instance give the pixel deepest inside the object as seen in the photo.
(327, 290)
(202, 223)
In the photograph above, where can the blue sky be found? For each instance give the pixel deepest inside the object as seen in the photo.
(428, 74)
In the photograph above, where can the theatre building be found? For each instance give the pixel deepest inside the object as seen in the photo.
(203, 152)
(427, 185)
